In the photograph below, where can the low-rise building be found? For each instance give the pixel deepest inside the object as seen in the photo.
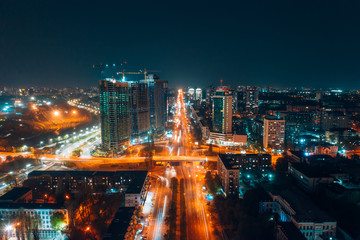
(288, 231)
(11, 214)
(307, 177)
(133, 183)
(296, 208)
(227, 139)
(17, 210)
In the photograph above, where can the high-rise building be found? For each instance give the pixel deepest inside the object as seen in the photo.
(138, 116)
(198, 93)
(274, 133)
(139, 109)
(252, 99)
(114, 114)
(158, 90)
(222, 111)
(191, 93)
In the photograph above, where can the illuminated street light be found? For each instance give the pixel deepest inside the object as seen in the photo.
(56, 113)
(9, 227)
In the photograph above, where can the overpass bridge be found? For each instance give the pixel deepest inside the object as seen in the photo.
(129, 159)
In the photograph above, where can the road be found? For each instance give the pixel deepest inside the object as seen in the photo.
(198, 227)
(83, 143)
(197, 224)
(162, 198)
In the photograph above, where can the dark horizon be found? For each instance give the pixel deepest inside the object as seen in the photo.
(283, 44)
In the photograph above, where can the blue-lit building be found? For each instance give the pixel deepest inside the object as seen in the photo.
(133, 107)
(114, 114)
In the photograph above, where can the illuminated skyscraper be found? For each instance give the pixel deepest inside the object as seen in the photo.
(133, 108)
(222, 111)
(114, 114)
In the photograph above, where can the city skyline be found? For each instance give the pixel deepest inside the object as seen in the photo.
(310, 44)
(171, 120)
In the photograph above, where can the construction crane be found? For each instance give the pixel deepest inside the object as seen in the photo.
(102, 68)
(145, 72)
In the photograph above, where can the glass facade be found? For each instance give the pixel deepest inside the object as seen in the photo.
(218, 114)
(132, 109)
(114, 112)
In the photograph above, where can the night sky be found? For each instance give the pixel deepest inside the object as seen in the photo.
(279, 43)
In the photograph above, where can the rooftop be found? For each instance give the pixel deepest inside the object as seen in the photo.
(320, 158)
(11, 205)
(291, 231)
(232, 161)
(305, 209)
(137, 177)
(14, 194)
(316, 171)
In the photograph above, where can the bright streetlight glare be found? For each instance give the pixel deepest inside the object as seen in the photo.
(8, 228)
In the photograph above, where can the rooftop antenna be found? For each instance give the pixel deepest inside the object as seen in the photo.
(221, 82)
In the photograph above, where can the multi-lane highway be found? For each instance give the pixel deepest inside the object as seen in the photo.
(198, 227)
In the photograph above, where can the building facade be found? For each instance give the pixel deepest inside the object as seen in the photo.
(232, 167)
(274, 133)
(133, 109)
(114, 114)
(296, 208)
(222, 111)
(252, 99)
(133, 183)
(158, 94)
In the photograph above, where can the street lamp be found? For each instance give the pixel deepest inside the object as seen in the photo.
(56, 113)
(9, 227)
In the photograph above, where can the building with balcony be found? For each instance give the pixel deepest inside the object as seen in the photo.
(274, 133)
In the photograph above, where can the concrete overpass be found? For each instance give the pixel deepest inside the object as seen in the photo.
(127, 159)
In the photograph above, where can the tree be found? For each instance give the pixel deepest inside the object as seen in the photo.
(76, 152)
(58, 221)
(281, 165)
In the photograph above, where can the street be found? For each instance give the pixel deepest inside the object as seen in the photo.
(198, 226)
